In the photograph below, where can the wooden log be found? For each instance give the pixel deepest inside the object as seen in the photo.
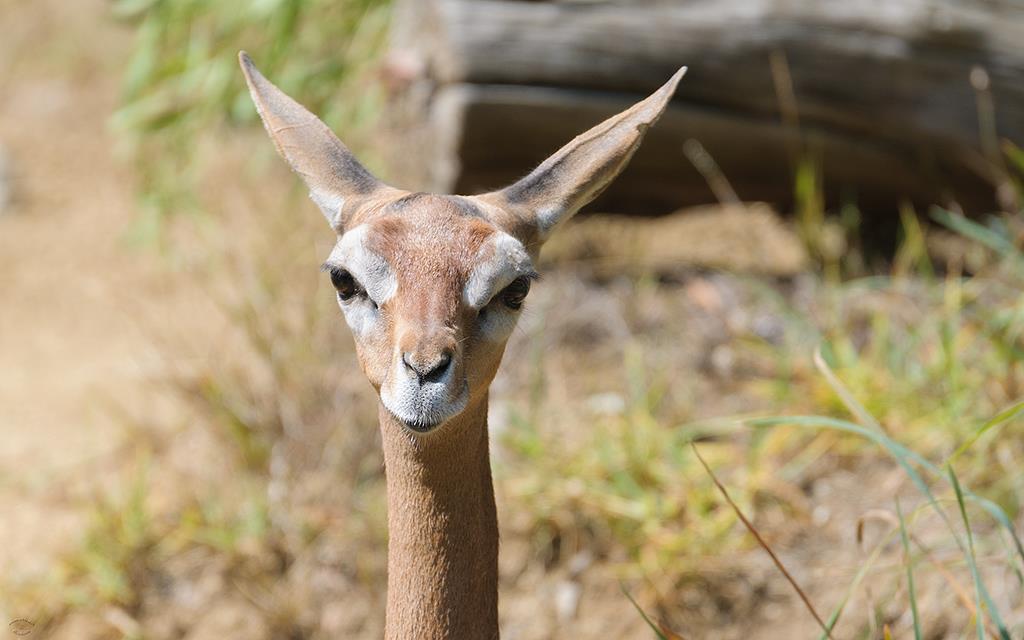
(881, 93)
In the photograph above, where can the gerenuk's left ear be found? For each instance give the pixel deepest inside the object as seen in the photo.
(578, 172)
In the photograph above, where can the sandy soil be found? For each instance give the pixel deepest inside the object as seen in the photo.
(73, 352)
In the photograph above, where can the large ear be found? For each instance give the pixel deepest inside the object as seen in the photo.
(328, 168)
(578, 172)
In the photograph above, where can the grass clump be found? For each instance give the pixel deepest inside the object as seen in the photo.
(921, 365)
(626, 487)
(182, 80)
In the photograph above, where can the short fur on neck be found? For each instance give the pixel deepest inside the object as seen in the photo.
(443, 529)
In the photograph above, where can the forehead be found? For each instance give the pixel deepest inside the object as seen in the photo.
(421, 231)
(414, 237)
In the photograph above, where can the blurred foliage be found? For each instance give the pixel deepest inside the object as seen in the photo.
(182, 80)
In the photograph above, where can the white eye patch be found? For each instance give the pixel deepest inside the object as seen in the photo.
(500, 260)
(372, 272)
(368, 268)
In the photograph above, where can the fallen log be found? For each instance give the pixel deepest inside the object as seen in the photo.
(879, 94)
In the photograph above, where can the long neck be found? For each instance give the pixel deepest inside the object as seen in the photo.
(443, 530)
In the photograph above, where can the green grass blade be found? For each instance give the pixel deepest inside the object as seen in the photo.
(910, 572)
(1000, 418)
(901, 454)
(990, 507)
(978, 600)
(1014, 154)
(856, 408)
(903, 457)
(764, 544)
(866, 419)
(657, 632)
(977, 232)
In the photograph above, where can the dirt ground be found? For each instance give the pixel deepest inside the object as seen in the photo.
(73, 351)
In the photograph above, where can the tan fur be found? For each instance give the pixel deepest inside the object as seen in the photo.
(443, 549)
(443, 531)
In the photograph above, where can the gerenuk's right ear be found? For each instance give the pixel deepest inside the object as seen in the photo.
(578, 172)
(334, 176)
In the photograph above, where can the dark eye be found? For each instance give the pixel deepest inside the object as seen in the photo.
(345, 284)
(514, 294)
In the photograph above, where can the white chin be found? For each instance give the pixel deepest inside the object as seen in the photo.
(421, 413)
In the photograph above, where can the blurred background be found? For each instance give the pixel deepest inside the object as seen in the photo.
(812, 269)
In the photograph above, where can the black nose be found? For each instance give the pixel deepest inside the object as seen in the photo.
(431, 372)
